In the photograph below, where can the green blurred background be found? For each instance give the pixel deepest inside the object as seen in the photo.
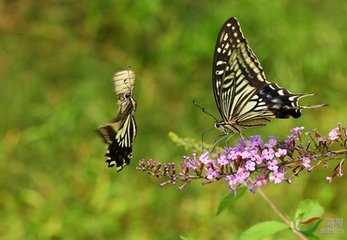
(57, 59)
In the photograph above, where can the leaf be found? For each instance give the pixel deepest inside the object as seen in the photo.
(313, 238)
(308, 217)
(309, 232)
(230, 199)
(308, 209)
(263, 230)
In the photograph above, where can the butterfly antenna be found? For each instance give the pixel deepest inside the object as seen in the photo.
(204, 110)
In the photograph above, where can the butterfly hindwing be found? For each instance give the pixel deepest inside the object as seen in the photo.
(116, 155)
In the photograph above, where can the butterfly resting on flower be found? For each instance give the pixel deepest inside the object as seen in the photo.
(244, 98)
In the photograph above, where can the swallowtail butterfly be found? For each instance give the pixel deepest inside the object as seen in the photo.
(244, 98)
(119, 134)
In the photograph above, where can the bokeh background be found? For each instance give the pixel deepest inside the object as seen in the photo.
(57, 59)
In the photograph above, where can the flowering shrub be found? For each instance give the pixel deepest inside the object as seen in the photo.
(254, 162)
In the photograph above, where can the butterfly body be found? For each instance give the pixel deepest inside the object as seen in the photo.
(244, 98)
(120, 133)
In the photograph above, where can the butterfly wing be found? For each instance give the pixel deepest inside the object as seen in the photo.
(236, 77)
(119, 136)
(120, 133)
(243, 96)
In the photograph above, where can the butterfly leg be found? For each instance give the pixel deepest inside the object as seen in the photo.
(202, 140)
(244, 137)
(228, 136)
(205, 145)
(220, 138)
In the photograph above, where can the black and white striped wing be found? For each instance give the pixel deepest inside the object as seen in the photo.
(243, 96)
(237, 76)
(119, 136)
(120, 133)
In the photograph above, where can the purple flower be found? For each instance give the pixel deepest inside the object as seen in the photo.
(212, 172)
(280, 152)
(251, 186)
(334, 134)
(321, 139)
(289, 144)
(222, 160)
(276, 177)
(250, 165)
(241, 175)
(306, 163)
(245, 154)
(257, 158)
(256, 142)
(272, 142)
(231, 155)
(268, 154)
(240, 146)
(256, 163)
(260, 180)
(296, 132)
(190, 163)
(232, 182)
(204, 158)
(272, 165)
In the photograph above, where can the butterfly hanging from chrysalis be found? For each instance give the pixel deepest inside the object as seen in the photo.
(119, 134)
(244, 98)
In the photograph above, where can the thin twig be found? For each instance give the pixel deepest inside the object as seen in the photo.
(280, 214)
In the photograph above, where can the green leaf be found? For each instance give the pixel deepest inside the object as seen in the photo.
(308, 217)
(312, 237)
(308, 209)
(309, 232)
(263, 230)
(230, 199)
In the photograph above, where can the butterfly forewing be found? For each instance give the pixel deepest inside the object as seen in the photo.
(124, 81)
(243, 96)
(119, 134)
(236, 73)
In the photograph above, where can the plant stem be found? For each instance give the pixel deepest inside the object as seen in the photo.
(280, 214)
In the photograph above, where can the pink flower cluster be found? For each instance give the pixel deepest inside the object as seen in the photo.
(237, 164)
(254, 163)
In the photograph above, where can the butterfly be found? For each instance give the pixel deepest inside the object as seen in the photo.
(120, 133)
(244, 98)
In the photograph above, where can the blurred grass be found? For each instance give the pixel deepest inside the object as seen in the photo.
(56, 62)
